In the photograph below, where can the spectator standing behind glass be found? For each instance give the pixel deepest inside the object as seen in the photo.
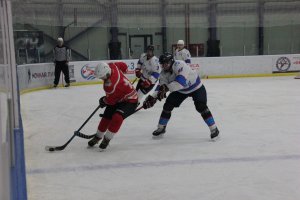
(182, 53)
(61, 55)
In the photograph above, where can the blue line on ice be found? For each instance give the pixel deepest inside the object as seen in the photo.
(161, 164)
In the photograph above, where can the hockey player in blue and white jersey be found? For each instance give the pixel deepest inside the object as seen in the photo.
(182, 53)
(182, 82)
(148, 71)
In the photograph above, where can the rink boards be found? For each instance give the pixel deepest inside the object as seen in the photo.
(41, 76)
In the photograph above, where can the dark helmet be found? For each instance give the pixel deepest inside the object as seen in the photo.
(166, 58)
(150, 48)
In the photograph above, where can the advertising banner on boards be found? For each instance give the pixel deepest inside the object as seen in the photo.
(286, 63)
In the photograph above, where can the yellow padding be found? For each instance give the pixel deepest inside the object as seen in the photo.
(24, 91)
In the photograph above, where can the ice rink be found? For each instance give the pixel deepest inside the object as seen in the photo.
(257, 157)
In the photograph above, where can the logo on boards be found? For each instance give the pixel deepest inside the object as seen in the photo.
(88, 72)
(283, 64)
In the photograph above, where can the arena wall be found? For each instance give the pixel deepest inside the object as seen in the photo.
(40, 76)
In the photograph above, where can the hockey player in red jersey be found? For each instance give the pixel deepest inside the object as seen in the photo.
(120, 101)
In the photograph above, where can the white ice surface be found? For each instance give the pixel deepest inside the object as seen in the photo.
(257, 157)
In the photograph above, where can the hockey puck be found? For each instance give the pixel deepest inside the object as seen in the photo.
(47, 148)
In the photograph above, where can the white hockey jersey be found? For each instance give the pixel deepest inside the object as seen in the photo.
(150, 68)
(182, 78)
(183, 54)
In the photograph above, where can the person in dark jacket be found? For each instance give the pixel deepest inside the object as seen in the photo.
(61, 55)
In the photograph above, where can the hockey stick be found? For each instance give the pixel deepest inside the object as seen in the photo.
(76, 133)
(101, 115)
(141, 107)
(136, 110)
(134, 81)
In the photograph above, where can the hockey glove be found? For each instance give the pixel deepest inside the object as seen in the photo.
(146, 83)
(162, 92)
(102, 102)
(149, 102)
(138, 73)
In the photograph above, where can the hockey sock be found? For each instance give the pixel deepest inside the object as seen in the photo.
(209, 119)
(109, 135)
(103, 125)
(116, 122)
(163, 122)
(164, 118)
(100, 134)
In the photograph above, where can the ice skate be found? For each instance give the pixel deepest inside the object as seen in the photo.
(159, 132)
(104, 143)
(214, 135)
(94, 141)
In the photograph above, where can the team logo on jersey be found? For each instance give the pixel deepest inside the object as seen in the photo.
(88, 72)
(176, 63)
(283, 64)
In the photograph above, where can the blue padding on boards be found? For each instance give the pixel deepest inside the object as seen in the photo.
(18, 171)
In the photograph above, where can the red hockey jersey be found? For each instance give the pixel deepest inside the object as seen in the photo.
(117, 87)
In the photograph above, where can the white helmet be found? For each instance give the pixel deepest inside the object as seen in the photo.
(180, 42)
(102, 70)
(60, 39)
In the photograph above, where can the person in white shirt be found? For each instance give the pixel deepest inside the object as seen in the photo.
(182, 53)
(182, 82)
(147, 71)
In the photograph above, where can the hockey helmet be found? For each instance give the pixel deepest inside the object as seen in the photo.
(166, 58)
(180, 42)
(150, 48)
(102, 70)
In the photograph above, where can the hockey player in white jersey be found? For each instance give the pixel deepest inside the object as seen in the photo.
(182, 53)
(148, 71)
(182, 82)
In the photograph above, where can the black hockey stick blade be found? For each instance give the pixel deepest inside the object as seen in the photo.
(59, 148)
(50, 148)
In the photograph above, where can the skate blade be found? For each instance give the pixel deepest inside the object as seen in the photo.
(102, 150)
(157, 137)
(215, 138)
